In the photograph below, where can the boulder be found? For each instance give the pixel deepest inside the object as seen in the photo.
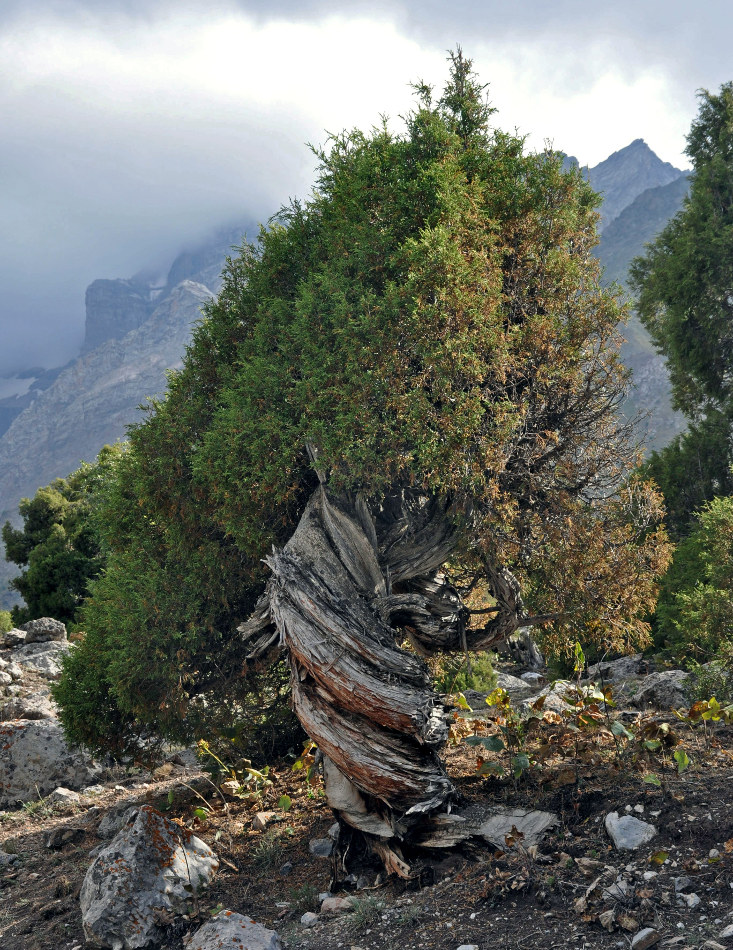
(45, 657)
(44, 630)
(13, 638)
(32, 706)
(149, 871)
(36, 759)
(115, 820)
(228, 929)
(611, 671)
(666, 690)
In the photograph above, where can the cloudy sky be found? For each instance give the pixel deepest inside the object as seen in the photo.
(131, 128)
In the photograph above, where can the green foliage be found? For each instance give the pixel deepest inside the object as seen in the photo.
(6, 621)
(59, 544)
(715, 678)
(430, 319)
(457, 673)
(695, 609)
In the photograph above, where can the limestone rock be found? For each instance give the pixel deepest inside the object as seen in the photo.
(337, 905)
(44, 630)
(36, 759)
(645, 938)
(115, 820)
(149, 871)
(611, 671)
(13, 638)
(63, 796)
(32, 706)
(628, 832)
(44, 658)
(234, 930)
(321, 847)
(664, 690)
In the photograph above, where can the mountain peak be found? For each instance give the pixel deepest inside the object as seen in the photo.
(626, 174)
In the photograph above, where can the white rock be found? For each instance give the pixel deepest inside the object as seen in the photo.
(726, 933)
(5, 678)
(309, 919)
(337, 905)
(63, 795)
(664, 690)
(32, 706)
(36, 759)
(44, 630)
(151, 869)
(691, 901)
(628, 832)
(645, 938)
(228, 929)
(44, 658)
(468, 946)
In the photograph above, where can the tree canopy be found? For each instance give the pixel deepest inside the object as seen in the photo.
(425, 338)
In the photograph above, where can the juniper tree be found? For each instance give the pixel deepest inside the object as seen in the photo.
(404, 401)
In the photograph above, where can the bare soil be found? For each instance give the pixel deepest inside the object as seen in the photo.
(547, 897)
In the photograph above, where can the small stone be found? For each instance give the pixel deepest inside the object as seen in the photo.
(469, 946)
(309, 919)
(691, 901)
(645, 938)
(262, 819)
(228, 929)
(321, 847)
(727, 933)
(63, 796)
(60, 837)
(337, 905)
(361, 882)
(682, 884)
(286, 869)
(616, 891)
(650, 875)
(639, 809)
(334, 831)
(628, 832)
(6, 859)
(714, 854)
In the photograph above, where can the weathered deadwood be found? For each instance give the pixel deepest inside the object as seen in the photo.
(347, 586)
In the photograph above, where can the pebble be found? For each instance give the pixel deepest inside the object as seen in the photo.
(321, 847)
(690, 900)
(728, 932)
(645, 938)
(309, 919)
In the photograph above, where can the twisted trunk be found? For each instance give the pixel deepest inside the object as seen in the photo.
(340, 590)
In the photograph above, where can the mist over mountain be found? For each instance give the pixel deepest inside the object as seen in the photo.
(137, 328)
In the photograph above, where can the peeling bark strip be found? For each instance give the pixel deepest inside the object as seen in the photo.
(340, 587)
(366, 703)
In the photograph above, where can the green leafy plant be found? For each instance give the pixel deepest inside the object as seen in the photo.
(471, 671)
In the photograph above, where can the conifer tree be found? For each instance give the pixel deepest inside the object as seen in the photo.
(405, 401)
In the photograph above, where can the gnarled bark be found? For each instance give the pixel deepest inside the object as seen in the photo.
(342, 587)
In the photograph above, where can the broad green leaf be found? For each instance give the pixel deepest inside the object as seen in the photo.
(651, 779)
(285, 803)
(682, 759)
(492, 743)
(619, 729)
(659, 857)
(461, 702)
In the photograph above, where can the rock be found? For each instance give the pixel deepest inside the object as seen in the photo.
(532, 824)
(468, 946)
(115, 820)
(727, 933)
(32, 706)
(44, 658)
(664, 690)
(309, 919)
(36, 759)
(321, 847)
(628, 832)
(262, 819)
(44, 630)
(337, 905)
(59, 837)
(616, 891)
(645, 938)
(7, 859)
(150, 870)
(334, 831)
(5, 678)
(63, 796)
(533, 679)
(554, 701)
(683, 883)
(611, 671)
(228, 929)
(516, 688)
(13, 638)
(690, 901)
(286, 869)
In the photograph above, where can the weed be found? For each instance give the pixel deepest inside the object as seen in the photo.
(411, 915)
(268, 851)
(304, 898)
(366, 911)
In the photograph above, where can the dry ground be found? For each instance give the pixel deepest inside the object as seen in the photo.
(514, 899)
